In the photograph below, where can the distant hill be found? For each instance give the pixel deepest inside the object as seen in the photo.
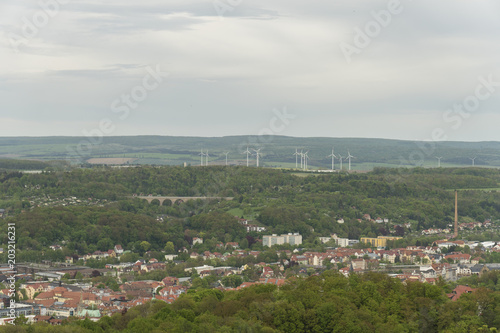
(277, 151)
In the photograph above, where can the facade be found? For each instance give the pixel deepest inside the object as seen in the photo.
(272, 240)
(28, 310)
(293, 239)
(380, 241)
(197, 240)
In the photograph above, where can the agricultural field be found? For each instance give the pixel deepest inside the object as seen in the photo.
(276, 153)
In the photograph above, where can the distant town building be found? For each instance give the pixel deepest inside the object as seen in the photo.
(380, 241)
(293, 239)
(197, 240)
(118, 249)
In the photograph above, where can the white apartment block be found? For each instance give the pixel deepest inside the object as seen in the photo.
(293, 239)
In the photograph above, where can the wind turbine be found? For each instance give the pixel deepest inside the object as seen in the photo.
(226, 157)
(332, 155)
(349, 156)
(296, 156)
(306, 157)
(301, 159)
(473, 159)
(201, 157)
(439, 161)
(247, 152)
(257, 154)
(340, 159)
(206, 155)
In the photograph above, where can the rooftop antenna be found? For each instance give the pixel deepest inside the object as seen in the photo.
(296, 157)
(439, 161)
(247, 152)
(226, 157)
(349, 156)
(473, 159)
(257, 154)
(332, 155)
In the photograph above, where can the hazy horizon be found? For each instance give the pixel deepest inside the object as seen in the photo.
(245, 135)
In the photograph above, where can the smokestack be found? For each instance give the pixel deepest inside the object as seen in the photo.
(455, 234)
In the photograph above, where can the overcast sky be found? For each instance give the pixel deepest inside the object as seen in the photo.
(334, 68)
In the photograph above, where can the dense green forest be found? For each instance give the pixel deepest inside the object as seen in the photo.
(12, 164)
(329, 302)
(92, 209)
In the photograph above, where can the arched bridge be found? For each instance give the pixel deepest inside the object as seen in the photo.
(175, 200)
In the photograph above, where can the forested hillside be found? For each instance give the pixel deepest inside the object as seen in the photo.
(93, 209)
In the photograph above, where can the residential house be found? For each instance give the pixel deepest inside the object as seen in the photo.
(267, 272)
(463, 270)
(476, 260)
(170, 281)
(479, 269)
(197, 240)
(301, 260)
(33, 288)
(358, 264)
(234, 245)
(118, 250)
(462, 258)
(459, 291)
(172, 291)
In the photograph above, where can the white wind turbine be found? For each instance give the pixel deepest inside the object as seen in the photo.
(206, 155)
(439, 161)
(473, 159)
(248, 153)
(349, 156)
(332, 155)
(296, 154)
(257, 154)
(306, 157)
(340, 159)
(201, 157)
(226, 157)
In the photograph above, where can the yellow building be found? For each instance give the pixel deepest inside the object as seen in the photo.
(380, 241)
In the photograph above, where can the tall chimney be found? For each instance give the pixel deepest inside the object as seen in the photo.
(455, 234)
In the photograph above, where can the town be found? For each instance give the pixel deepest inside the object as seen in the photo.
(54, 291)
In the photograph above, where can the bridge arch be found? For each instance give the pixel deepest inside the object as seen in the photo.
(168, 201)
